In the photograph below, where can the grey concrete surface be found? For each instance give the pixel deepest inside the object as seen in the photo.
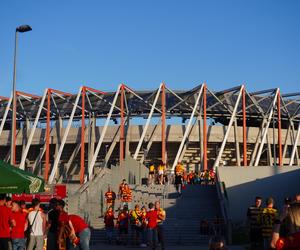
(114, 247)
(244, 183)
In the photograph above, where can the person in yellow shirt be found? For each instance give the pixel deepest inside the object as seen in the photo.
(161, 217)
(151, 174)
(266, 220)
(161, 170)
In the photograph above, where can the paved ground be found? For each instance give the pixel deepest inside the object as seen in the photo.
(103, 246)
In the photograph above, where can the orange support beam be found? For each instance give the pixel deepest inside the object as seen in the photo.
(204, 130)
(163, 124)
(122, 125)
(279, 129)
(244, 128)
(3, 98)
(94, 90)
(47, 166)
(28, 95)
(82, 135)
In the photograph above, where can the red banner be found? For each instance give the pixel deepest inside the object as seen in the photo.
(58, 192)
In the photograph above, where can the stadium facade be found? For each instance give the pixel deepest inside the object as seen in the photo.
(64, 137)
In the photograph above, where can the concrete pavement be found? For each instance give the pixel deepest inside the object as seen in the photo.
(115, 247)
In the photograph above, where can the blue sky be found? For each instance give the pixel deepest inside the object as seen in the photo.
(141, 43)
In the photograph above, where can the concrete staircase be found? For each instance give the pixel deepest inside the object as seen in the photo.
(184, 214)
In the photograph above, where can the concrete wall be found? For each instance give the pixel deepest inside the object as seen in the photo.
(242, 184)
(89, 200)
(174, 134)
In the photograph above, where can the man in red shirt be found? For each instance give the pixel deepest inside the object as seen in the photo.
(17, 231)
(63, 225)
(151, 218)
(81, 229)
(6, 221)
(109, 224)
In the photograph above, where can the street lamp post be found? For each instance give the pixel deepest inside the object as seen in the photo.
(21, 29)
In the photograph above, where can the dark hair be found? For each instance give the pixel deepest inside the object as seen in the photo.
(53, 201)
(258, 198)
(22, 202)
(2, 197)
(7, 198)
(61, 203)
(151, 205)
(35, 202)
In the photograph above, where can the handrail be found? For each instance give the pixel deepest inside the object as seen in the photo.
(224, 208)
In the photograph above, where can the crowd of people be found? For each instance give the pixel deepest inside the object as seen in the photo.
(143, 224)
(50, 227)
(158, 175)
(271, 228)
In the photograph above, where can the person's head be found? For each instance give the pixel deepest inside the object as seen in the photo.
(293, 217)
(137, 207)
(270, 202)
(2, 199)
(60, 205)
(287, 201)
(109, 189)
(258, 201)
(53, 203)
(35, 203)
(143, 209)
(124, 181)
(15, 206)
(22, 204)
(8, 201)
(157, 205)
(216, 243)
(110, 209)
(297, 198)
(125, 208)
(151, 206)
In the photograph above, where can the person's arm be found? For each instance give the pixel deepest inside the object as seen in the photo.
(26, 225)
(162, 215)
(71, 226)
(13, 223)
(44, 225)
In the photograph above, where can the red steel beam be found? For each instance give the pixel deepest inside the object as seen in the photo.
(47, 157)
(4, 98)
(60, 92)
(163, 124)
(244, 128)
(94, 90)
(204, 130)
(279, 129)
(122, 125)
(29, 95)
(82, 135)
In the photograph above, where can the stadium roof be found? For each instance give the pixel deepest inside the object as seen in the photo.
(220, 104)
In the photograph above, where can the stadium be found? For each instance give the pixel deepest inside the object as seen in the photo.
(64, 137)
(93, 139)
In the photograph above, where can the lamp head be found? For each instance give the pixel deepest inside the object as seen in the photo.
(23, 28)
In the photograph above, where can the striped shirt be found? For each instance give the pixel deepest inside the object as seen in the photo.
(252, 215)
(266, 219)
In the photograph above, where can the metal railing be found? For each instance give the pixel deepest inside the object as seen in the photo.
(223, 201)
